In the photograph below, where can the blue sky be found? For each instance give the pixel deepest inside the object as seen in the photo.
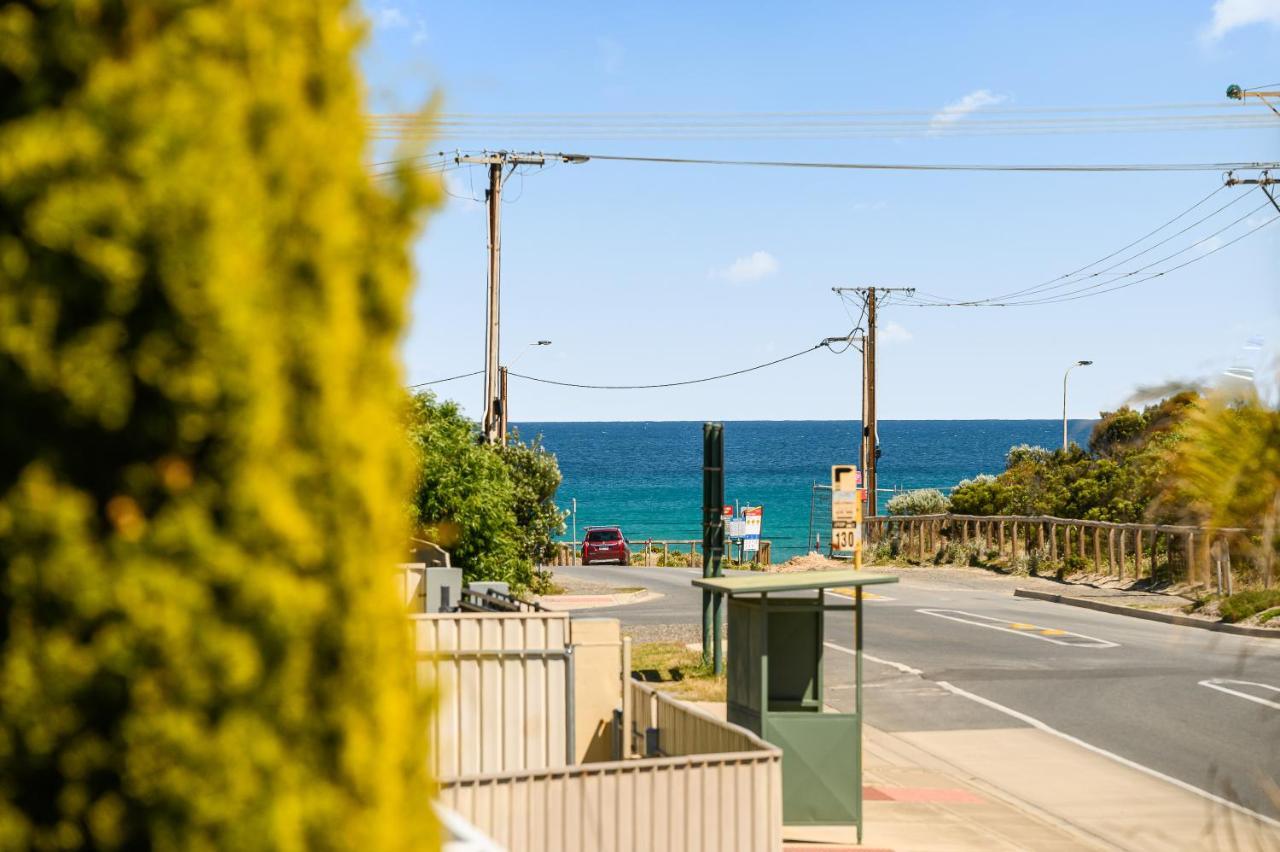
(647, 273)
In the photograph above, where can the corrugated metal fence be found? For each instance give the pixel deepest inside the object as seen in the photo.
(694, 798)
(502, 687)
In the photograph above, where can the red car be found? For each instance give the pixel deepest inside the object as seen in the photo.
(605, 544)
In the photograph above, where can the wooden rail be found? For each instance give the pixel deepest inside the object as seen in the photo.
(1196, 555)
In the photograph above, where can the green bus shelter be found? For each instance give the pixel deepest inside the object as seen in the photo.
(776, 643)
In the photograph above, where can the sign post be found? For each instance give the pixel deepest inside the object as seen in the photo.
(752, 520)
(846, 511)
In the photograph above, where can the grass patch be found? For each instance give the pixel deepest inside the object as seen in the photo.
(1267, 616)
(1242, 605)
(675, 669)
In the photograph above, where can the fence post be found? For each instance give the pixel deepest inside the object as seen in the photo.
(1000, 534)
(1013, 554)
(1053, 542)
(1120, 570)
(1137, 554)
(1097, 552)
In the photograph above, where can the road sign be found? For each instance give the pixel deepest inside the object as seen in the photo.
(846, 508)
(752, 519)
(737, 528)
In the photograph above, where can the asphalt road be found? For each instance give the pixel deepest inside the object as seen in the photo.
(1131, 687)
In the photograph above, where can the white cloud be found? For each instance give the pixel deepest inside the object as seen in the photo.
(894, 333)
(389, 18)
(1233, 14)
(395, 18)
(753, 267)
(970, 103)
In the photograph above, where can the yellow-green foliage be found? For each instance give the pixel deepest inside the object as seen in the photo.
(201, 470)
(1227, 470)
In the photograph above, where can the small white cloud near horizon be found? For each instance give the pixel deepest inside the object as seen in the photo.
(894, 333)
(753, 267)
(1229, 15)
(957, 110)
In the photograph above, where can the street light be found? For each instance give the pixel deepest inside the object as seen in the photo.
(526, 349)
(1064, 399)
(502, 386)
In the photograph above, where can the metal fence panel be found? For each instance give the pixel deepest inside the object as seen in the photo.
(500, 688)
(712, 802)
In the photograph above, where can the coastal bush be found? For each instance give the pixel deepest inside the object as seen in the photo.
(982, 495)
(1121, 477)
(1242, 605)
(924, 501)
(492, 507)
(202, 474)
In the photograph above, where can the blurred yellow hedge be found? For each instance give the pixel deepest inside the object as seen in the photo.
(201, 470)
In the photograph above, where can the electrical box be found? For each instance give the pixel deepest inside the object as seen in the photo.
(442, 588)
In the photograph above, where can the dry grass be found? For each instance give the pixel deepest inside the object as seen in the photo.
(676, 670)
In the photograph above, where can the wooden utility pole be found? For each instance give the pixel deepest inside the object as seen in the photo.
(502, 396)
(493, 306)
(870, 440)
(493, 404)
(868, 449)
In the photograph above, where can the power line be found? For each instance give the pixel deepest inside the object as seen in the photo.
(938, 167)
(1100, 288)
(579, 385)
(1196, 259)
(449, 379)
(909, 167)
(1105, 258)
(1070, 279)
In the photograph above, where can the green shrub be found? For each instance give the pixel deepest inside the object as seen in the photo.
(1242, 605)
(492, 507)
(925, 501)
(201, 469)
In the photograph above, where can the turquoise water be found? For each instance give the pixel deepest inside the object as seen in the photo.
(647, 477)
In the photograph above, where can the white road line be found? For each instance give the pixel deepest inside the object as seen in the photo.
(866, 596)
(985, 621)
(1048, 729)
(905, 669)
(1219, 684)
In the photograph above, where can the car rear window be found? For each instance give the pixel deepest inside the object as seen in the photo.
(604, 535)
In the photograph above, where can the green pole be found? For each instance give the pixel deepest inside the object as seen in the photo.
(712, 539)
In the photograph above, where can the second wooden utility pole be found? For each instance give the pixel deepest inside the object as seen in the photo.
(868, 451)
(871, 446)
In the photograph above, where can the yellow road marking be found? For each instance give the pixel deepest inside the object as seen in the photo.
(1050, 631)
(1016, 625)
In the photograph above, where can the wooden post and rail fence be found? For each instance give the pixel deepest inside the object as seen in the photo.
(656, 551)
(1221, 558)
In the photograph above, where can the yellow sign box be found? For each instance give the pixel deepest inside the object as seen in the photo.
(846, 509)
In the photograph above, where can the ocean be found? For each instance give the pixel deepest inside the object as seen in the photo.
(647, 477)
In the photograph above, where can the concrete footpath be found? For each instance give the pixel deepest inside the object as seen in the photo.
(1022, 788)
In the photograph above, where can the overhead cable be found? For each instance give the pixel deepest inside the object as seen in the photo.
(583, 386)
